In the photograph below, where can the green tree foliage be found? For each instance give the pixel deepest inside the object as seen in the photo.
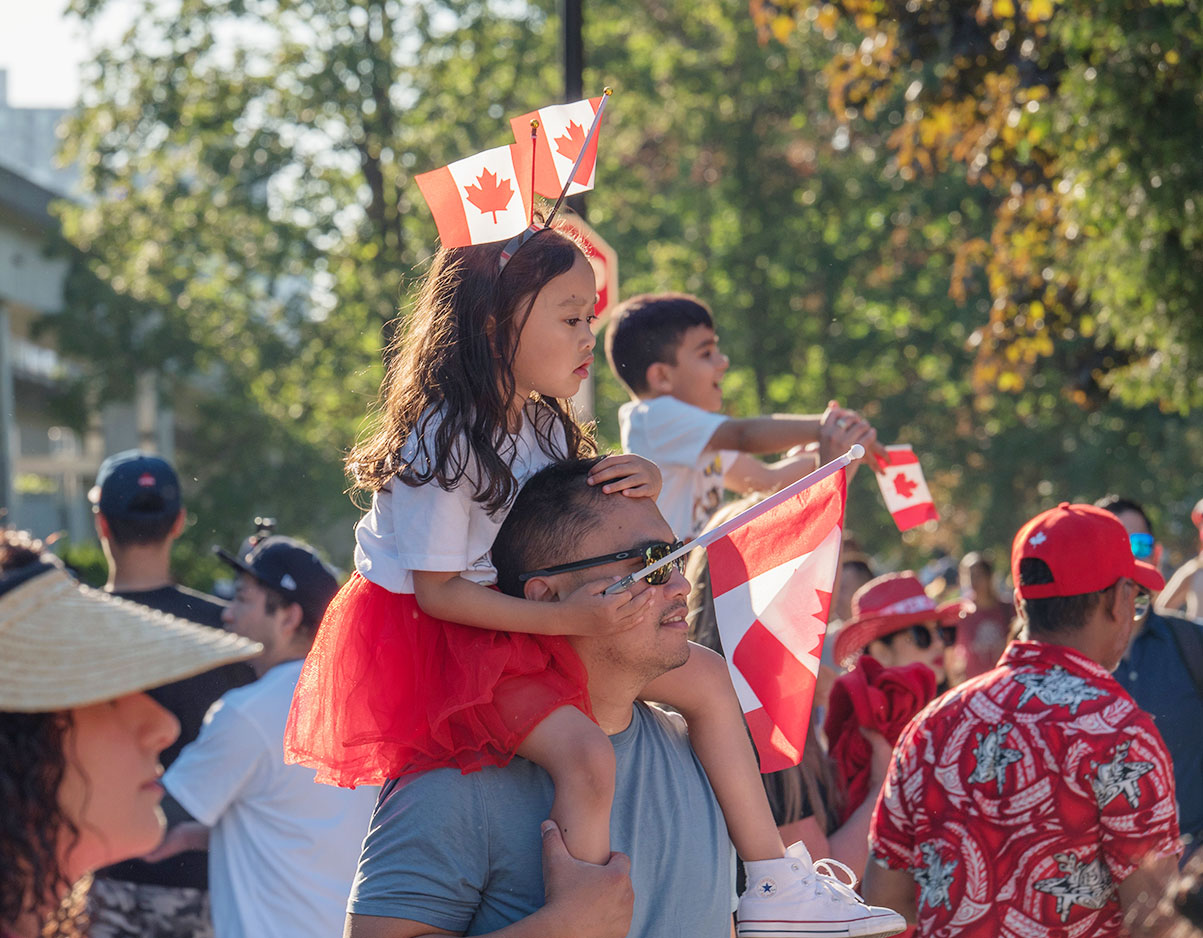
(253, 226)
(1081, 119)
(828, 266)
(249, 221)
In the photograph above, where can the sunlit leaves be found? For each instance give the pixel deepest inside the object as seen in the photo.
(1082, 120)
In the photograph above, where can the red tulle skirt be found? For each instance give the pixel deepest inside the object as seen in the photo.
(388, 690)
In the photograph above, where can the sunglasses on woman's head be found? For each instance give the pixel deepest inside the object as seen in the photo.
(923, 634)
(653, 553)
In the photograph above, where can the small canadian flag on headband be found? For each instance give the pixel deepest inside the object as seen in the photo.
(481, 198)
(563, 129)
(904, 488)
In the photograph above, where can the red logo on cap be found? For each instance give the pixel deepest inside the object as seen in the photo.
(146, 480)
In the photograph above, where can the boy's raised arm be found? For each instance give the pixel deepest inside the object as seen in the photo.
(776, 433)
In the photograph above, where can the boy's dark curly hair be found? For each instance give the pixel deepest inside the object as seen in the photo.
(32, 824)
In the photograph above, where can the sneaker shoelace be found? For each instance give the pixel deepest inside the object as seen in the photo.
(828, 882)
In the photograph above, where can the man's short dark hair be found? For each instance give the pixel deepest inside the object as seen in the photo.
(1056, 614)
(131, 530)
(1117, 503)
(648, 329)
(548, 521)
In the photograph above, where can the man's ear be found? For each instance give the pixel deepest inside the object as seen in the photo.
(102, 526)
(293, 616)
(659, 378)
(177, 527)
(539, 590)
(1117, 608)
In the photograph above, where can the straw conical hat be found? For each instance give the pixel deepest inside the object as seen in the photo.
(63, 645)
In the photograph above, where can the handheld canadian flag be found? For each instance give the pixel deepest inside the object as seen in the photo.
(564, 130)
(481, 198)
(904, 488)
(772, 580)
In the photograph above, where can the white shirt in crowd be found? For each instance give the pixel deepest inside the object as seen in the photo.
(282, 849)
(675, 436)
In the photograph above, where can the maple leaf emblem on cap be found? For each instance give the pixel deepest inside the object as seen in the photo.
(570, 145)
(1037, 539)
(488, 195)
(904, 486)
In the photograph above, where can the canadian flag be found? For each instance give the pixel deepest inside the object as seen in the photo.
(772, 580)
(562, 132)
(904, 488)
(481, 198)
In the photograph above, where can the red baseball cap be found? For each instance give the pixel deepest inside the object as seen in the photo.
(1086, 548)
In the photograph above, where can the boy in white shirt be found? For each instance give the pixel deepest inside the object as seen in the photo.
(664, 349)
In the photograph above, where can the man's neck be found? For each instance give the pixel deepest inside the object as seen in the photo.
(138, 569)
(613, 702)
(295, 651)
(986, 601)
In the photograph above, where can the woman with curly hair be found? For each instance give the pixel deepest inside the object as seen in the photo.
(79, 740)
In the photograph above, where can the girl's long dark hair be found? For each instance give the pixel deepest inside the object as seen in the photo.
(451, 364)
(33, 827)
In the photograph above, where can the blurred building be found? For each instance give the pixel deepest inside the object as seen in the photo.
(46, 468)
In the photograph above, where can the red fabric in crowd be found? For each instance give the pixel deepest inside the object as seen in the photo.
(388, 690)
(877, 698)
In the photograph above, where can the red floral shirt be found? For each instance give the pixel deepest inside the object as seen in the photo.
(1018, 800)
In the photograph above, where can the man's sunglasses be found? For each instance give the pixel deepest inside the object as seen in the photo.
(1142, 602)
(923, 635)
(651, 554)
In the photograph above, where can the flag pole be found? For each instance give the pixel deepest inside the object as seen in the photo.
(709, 537)
(534, 153)
(580, 157)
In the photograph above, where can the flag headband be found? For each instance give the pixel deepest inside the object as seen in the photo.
(522, 237)
(709, 537)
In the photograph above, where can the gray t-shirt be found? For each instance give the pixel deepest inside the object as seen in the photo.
(463, 852)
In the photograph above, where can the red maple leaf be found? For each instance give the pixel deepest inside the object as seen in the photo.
(904, 486)
(823, 615)
(570, 145)
(489, 196)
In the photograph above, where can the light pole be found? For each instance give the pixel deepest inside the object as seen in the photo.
(574, 71)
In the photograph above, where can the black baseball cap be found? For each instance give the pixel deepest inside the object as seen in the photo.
(292, 569)
(136, 484)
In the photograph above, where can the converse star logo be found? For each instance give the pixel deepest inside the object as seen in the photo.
(288, 582)
(1037, 539)
(766, 887)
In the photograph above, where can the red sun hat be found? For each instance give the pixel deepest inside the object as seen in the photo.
(1086, 548)
(886, 605)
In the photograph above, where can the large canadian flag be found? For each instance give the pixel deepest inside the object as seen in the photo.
(562, 132)
(904, 488)
(772, 582)
(481, 198)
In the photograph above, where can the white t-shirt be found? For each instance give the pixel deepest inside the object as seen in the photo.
(674, 435)
(283, 849)
(425, 527)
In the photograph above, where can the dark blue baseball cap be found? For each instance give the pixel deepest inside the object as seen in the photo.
(292, 569)
(136, 484)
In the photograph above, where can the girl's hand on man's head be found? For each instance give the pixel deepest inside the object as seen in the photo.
(632, 475)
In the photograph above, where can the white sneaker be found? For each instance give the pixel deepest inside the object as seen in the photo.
(795, 898)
